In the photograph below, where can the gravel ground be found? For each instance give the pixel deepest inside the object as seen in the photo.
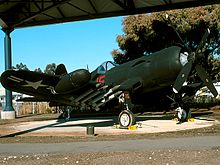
(163, 157)
(152, 156)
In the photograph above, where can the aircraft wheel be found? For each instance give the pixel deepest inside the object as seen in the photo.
(182, 114)
(126, 118)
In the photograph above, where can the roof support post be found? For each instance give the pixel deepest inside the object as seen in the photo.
(8, 112)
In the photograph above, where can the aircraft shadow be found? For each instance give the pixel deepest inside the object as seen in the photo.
(31, 130)
(108, 121)
(172, 116)
(144, 118)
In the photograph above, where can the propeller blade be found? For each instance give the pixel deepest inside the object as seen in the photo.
(205, 78)
(182, 77)
(174, 29)
(204, 38)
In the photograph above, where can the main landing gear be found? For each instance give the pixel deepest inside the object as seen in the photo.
(183, 114)
(126, 118)
(183, 111)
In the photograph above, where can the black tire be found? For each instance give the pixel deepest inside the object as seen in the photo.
(182, 116)
(126, 118)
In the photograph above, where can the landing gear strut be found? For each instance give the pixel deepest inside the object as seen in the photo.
(126, 118)
(66, 112)
(183, 111)
(183, 114)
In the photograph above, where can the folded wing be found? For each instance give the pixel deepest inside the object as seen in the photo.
(30, 83)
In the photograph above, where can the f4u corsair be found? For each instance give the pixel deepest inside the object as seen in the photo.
(149, 80)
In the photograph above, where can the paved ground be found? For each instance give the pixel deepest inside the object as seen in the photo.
(40, 140)
(205, 142)
(102, 126)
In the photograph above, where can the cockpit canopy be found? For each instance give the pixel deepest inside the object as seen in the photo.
(105, 66)
(102, 69)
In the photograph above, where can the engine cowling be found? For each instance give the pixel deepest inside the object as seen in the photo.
(73, 81)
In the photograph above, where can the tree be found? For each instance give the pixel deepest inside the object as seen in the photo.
(50, 69)
(147, 33)
(215, 69)
(20, 66)
(38, 70)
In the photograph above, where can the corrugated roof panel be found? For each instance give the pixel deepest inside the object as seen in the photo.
(107, 6)
(87, 6)
(71, 10)
(144, 3)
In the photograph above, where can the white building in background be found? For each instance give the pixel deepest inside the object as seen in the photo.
(217, 86)
(15, 96)
(205, 92)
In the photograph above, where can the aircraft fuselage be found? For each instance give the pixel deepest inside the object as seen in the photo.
(156, 71)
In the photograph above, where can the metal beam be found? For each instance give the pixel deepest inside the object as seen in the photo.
(93, 6)
(3, 1)
(121, 4)
(60, 11)
(167, 2)
(3, 24)
(127, 5)
(78, 8)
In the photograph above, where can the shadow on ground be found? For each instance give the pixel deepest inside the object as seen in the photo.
(105, 122)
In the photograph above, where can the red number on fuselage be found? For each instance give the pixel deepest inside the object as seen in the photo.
(100, 79)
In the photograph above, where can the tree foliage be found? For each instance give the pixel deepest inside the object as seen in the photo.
(50, 69)
(38, 70)
(147, 33)
(214, 70)
(20, 66)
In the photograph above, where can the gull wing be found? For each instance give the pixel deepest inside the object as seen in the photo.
(29, 82)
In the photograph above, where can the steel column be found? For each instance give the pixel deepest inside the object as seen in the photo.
(8, 65)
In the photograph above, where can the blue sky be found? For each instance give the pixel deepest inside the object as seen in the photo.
(74, 44)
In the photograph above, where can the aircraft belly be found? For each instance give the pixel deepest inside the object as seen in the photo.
(152, 98)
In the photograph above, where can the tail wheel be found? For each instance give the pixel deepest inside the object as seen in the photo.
(182, 114)
(126, 118)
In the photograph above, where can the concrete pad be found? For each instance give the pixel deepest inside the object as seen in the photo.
(7, 114)
(103, 126)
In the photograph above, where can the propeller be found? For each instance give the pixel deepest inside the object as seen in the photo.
(195, 59)
(182, 77)
(205, 78)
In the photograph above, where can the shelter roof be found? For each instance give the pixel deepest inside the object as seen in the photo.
(25, 13)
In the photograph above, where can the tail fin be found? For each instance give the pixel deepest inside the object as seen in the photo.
(60, 70)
